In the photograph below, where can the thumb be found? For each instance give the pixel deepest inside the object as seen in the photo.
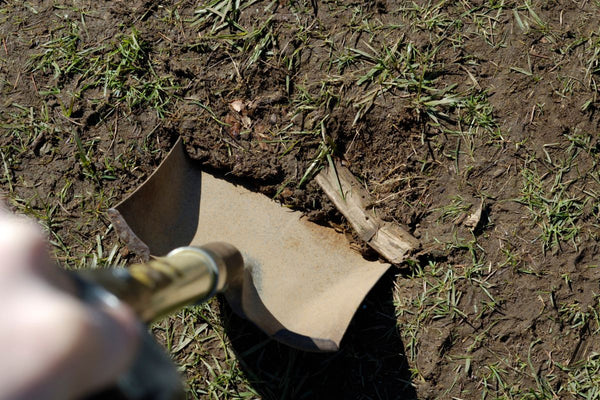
(60, 346)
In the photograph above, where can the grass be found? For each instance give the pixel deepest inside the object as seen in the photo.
(583, 379)
(439, 78)
(553, 206)
(443, 287)
(580, 379)
(457, 208)
(121, 69)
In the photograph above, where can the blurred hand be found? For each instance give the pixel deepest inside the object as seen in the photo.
(53, 346)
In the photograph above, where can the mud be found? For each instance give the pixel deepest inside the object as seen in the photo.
(262, 123)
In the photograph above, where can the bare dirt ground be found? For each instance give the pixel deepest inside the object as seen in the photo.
(441, 108)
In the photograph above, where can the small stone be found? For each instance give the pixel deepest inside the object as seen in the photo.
(237, 106)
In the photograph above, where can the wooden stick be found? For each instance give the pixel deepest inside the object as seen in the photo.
(352, 200)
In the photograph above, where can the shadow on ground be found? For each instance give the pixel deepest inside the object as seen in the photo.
(370, 365)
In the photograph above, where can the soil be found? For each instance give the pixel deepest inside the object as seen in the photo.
(251, 123)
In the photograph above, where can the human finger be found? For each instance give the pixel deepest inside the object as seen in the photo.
(61, 348)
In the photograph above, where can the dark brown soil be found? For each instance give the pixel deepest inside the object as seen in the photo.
(250, 121)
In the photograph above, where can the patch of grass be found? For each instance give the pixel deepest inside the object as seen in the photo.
(129, 75)
(123, 70)
(477, 114)
(196, 339)
(216, 15)
(22, 125)
(528, 20)
(443, 287)
(99, 257)
(551, 204)
(405, 72)
(218, 23)
(573, 315)
(429, 15)
(515, 377)
(584, 378)
(45, 211)
(63, 55)
(456, 209)
(324, 153)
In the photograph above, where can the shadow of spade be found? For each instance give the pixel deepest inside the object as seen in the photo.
(369, 365)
